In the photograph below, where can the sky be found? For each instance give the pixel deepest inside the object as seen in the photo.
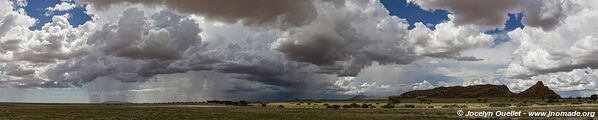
(90, 51)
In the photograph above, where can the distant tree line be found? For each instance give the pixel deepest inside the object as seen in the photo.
(226, 102)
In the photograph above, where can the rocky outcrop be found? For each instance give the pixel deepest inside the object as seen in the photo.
(463, 92)
(482, 91)
(538, 91)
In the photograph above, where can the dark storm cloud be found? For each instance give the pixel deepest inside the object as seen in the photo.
(280, 13)
(20, 73)
(131, 38)
(343, 41)
(494, 13)
(545, 14)
(491, 13)
(319, 50)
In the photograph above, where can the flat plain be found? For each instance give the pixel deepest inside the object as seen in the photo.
(297, 110)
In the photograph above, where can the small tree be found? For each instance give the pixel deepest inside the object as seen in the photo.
(594, 97)
(394, 99)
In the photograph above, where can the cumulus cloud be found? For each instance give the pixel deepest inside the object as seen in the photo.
(447, 40)
(63, 6)
(545, 14)
(422, 85)
(345, 40)
(567, 47)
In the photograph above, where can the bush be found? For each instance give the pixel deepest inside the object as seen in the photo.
(280, 106)
(484, 100)
(499, 105)
(389, 105)
(552, 100)
(264, 104)
(522, 104)
(394, 99)
(352, 105)
(243, 103)
(454, 106)
(408, 106)
(367, 106)
(334, 106)
(422, 99)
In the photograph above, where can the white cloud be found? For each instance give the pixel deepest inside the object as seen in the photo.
(63, 6)
(422, 85)
(447, 40)
(567, 47)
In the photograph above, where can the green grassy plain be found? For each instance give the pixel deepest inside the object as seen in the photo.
(291, 110)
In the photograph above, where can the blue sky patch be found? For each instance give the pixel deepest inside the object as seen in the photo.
(37, 10)
(413, 13)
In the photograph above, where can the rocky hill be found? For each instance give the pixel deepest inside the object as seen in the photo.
(538, 91)
(479, 91)
(463, 92)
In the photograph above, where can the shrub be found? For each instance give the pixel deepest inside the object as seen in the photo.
(264, 104)
(394, 99)
(346, 106)
(352, 105)
(454, 106)
(334, 106)
(388, 105)
(422, 99)
(522, 104)
(499, 105)
(485, 100)
(409, 106)
(243, 103)
(367, 106)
